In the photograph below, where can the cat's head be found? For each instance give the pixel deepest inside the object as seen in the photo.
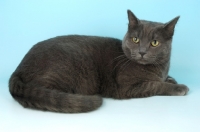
(148, 42)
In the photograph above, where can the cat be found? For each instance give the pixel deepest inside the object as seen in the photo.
(71, 74)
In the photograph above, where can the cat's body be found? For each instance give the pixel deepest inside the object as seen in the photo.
(73, 73)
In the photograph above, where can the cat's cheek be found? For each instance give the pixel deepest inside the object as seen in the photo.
(165, 51)
(129, 45)
(127, 51)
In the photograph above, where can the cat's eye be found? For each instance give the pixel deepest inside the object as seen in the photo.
(154, 43)
(136, 40)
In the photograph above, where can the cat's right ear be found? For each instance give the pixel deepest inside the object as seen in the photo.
(133, 20)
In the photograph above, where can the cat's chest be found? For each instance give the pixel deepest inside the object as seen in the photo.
(139, 73)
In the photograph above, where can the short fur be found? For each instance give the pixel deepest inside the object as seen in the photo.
(72, 73)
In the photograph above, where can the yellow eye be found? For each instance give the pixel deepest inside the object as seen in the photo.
(136, 40)
(154, 43)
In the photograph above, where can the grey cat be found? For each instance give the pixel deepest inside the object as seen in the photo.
(72, 73)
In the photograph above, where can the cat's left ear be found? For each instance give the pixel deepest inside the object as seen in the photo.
(169, 27)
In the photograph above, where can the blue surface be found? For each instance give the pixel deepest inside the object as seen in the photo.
(24, 23)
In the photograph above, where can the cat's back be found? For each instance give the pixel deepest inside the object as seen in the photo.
(70, 49)
(74, 46)
(75, 41)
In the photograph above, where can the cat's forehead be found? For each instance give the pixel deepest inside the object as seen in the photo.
(151, 24)
(147, 28)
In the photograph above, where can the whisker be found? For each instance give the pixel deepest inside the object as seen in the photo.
(127, 63)
(117, 58)
(119, 63)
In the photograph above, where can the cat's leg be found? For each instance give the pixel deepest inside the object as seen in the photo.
(171, 80)
(147, 89)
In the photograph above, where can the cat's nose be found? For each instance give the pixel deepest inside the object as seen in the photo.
(142, 53)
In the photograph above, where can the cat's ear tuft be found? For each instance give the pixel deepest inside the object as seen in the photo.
(133, 21)
(169, 27)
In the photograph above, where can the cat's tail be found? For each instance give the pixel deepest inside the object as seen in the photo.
(51, 100)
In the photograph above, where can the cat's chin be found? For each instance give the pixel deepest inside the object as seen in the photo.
(142, 61)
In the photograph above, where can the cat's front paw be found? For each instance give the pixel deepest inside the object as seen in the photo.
(180, 90)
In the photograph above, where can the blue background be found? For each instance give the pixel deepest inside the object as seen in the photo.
(23, 23)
